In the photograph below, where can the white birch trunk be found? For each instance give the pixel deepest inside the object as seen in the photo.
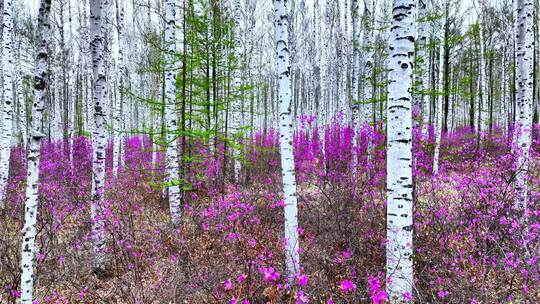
(22, 123)
(367, 105)
(438, 107)
(175, 195)
(422, 66)
(8, 97)
(32, 184)
(354, 77)
(116, 101)
(98, 11)
(504, 95)
(286, 137)
(399, 228)
(237, 82)
(122, 72)
(483, 126)
(116, 135)
(524, 96)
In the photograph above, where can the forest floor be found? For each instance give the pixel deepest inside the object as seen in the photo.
(469, 238)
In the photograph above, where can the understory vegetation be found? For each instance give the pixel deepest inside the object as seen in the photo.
(229, 245)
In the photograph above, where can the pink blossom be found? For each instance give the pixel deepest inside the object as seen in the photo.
(442, 294)
(407, 296)
(40, 256)
(269, 274)
(241, 278)
(302, 279)
(347, 286)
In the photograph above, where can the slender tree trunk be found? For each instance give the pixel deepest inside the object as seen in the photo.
(21, 100)
(122, 72)
(237, 96)
(286, 137)
(367, 105)
(399, 227)
(422, 67)
(7, 96)
(439, 107)
(173, 176)
(524, 98)
(504, 96)
(32, 184)
(98, 11)
(354, 77)
(483, 110)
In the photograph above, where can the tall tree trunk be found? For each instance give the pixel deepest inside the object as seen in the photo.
(173, 172)
(524, 98)
(483, 110)
(7, 96)
(369, 89)
(286, 138)
(505, 104)
(98, 11)
(122, 72)
(32, 184)
(237, 96)
(399, 227)
(354, 77)
(439, 107)
(422, 67)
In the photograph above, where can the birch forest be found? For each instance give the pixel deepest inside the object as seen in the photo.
(269, 151)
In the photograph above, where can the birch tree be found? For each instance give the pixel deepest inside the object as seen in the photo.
(120, 12)
(422, 76)
(7, 96)
(483, 110)
(36, 134)
(439, 106)
(524, 96)
(175, 196)
(368, 62)
(355, 76)
(286, 138)
(399, 229)
(237, 82)
(98, 11)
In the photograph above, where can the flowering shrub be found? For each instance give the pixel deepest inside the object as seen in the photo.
(472, 245)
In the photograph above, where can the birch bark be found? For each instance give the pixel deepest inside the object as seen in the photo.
(7, 96)
(32, 184)
(98, 11)
(354, 78)
(237, 83)
(483, 100)
(524, 96)
(173, 172)
(399, 229)
(422, 67)
(120, 10)
(367, 105)
(438, 107)
(286, 137)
